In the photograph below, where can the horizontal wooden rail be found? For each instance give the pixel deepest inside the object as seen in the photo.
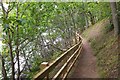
(72, 55)
(72, 64)
(66, 64)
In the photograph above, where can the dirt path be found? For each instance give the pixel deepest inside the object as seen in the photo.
(95, 30)
(86, 65)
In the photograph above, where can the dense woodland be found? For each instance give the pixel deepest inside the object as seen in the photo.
(34, 32)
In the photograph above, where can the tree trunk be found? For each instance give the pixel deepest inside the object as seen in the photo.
(5, 16)
(74, 24)
(85, 16)
(86, 21)
(17, 44)
(26, 60)
(92, 19)
(115, 18)
(3, 68)
(11, 56)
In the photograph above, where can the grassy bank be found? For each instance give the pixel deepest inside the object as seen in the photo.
(104, 45)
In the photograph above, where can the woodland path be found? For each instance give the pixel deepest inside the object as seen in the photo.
(86, 64)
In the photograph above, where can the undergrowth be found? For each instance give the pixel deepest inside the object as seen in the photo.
(105, 49)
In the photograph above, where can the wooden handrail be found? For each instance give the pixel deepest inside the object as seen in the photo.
(72, 63)
(72, 52)
(65, 65)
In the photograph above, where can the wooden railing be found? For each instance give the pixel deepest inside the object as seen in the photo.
(61, 67)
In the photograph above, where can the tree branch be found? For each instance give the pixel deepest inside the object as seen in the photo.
(9, 9)
(25, 9)
(4, 12)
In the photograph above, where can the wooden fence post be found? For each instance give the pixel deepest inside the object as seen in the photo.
(44, 65)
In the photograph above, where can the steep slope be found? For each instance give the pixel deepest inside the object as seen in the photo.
(105, 47)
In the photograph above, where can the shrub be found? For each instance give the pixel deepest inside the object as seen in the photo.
(109, 28)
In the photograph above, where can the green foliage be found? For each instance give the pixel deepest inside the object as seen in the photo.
(105, 48)
(109, 28)
(25, 23)
(106, 52)
(55, 55)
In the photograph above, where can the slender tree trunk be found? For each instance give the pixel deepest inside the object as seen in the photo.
(115, 18)
(17, 54)
(5, 15)
(85, 16)
(68, 37)
(11, 56)
(17, 45)
(86, 21)
(73, 21)
(3, 68)
(92, 19)
(26, 60)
